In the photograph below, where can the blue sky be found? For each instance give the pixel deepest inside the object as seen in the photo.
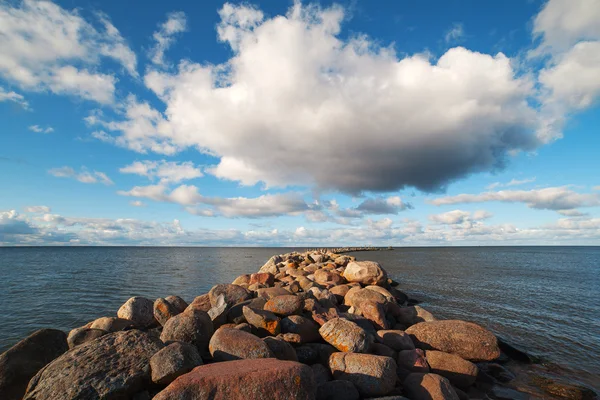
(299, 123)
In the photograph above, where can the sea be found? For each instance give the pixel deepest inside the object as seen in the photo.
(543, 300)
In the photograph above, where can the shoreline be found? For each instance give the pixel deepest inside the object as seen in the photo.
(340, 299)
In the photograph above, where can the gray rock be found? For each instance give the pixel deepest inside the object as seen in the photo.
(138, 310)
(173, 361)
(82, 335)
(191, 326)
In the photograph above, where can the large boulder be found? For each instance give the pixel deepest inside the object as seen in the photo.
(395, 339)
(173, 361)
(265, 322)
(271, 265)
(356, 296)
(114, 366)
(419, 386)
(201, 303)
(306, 328)
(111, 324)
(346, 336)
(375, 312)
(82, 335)
(229, 344)
(365, 272)
(139, 310)
(163, 310)
(285, 305)
(244, 380)
(459, 372)
(191, 326)
(465, 339)
(372, 375)
(177, 302)
(328, 277)
(233, 294)
(22, 361)
(409, 316)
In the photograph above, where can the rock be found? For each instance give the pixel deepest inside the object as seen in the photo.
(382, 350)
(360, 321)
(419, 386)
(163, 310)
(514, 353)
(563, 389)
(504, 393)
(321, 373)
(82, 335)
(372, 375)
(233, 294)
(271, 265)
(285, 305)
(337, 390)
(229, 344)
(111, 324)
(244, 380)
(328, 277)
(323, 350)
(307, 329)
(356, 296)
(269, 293)
(409, 316)
(339, 292)
(173, 361)
(459, 372)
(22, 361)
(138, 310)
(365, 272)
(307, 355)
(282, 349)
(346, 336)
(395, 339)
(291, 338)
(177, 302)
(496, 371)
(201, 303)
(264, 278)
(374, 312)
(384, 292)
(218, 313)
(465, 339)
(413, 361)
(244, 327)
(242, 280)
(191, 326)
(266, 322)
(236, 313)
(114, 366)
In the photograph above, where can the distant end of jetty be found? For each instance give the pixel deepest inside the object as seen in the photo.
(340, 250)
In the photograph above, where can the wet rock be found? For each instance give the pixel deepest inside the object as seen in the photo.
(321, 373)
(395, 339)
(496, 371)
(111, 367)
(111, 324)
(419, 386)
(413, 360)
(138, 310)
(163, 310)
(365, 272)
(372, 375)
(337, 390)
(244, 380)
(191, 326)
(265, 322)
(201, 303)
(229, 344)
(285, 305)
(80, 336)
(282, 349)
(562, 389)
(465, 339)
(409, 316)
(263, 278)
(307, 329)
(173, 361)
(504, 393)
(459, 372)
(22, 361)
(233, 294)
(177, 302)
(269, 293)
(514, 353)
(346, 336)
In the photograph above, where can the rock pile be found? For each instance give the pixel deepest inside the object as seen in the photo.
(306, 326)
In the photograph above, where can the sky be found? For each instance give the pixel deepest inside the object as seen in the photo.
(297, 123)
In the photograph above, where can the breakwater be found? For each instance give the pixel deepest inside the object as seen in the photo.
(322, 311)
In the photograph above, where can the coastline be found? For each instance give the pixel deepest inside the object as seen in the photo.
(323, 284)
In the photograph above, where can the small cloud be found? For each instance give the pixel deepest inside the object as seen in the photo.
(513, 182)
(455, 34)
(137, 203)
(37, 209)
(176, 23)
(596, 188)
(39, 129)
(83, 176)
(14, 97)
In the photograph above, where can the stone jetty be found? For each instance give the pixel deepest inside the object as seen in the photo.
(314, 325)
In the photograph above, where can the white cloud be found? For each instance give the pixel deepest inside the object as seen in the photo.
(455, 34)
(37, 209)
(293, 83)
(459, 217)
(39, 129)
(14, 97)
(552, 198)
(45, 47)
(164, 171)
(164, 37)
(513, 182)
(137, 203)
(83, 176)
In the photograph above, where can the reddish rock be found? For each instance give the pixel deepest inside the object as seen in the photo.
(339, 292)
(139, 310)
(177, 302)
(266, 322)
(384, 292)
(428, 387)
(365, 272)
(372, 375)
(244, 380)
(374, 312)
(297, 324)
(191, 326)
(229, 344)
(174, 360)
(163, 310)
(233, 294)
(22, 361)
(413, 360)
(459, 372)
(285, 305)
(263, 278)
(82, 335)
(409, 316)
(322, 315)
(346, 336)
(269, 293)
(201, 303)
(242, 280)
(291, 338)
(328, 277)
(396, 339)
(111, 324)
(465, 339)
(356, 296)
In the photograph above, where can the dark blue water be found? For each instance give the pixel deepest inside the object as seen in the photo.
(543, 299)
